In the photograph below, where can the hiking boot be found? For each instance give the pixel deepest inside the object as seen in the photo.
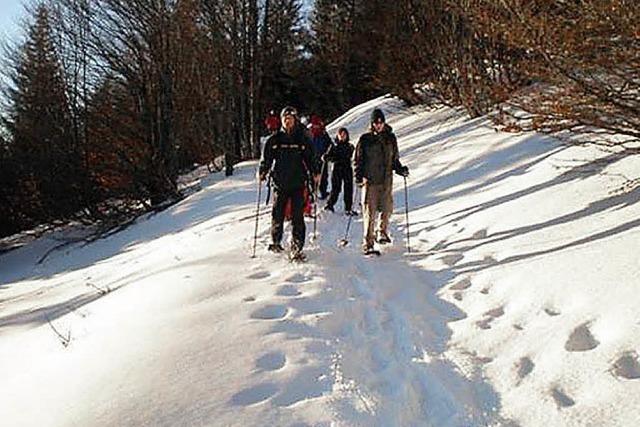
(329, 208)
(369, 250)
(350, 213)
(384, 239)
(296, 255)
(275, 248)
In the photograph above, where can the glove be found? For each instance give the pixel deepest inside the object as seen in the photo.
(262, 176)
(403, 171)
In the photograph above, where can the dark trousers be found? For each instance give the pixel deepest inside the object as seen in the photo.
(338, 177)
(324, 179)
(297, 212)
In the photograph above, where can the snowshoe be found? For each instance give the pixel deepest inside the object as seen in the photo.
(297, 256)
(351, 213)
(329, 208)
(275, 248)
(370, 252)
(384, 240)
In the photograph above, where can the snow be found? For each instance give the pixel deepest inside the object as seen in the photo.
(517, 304)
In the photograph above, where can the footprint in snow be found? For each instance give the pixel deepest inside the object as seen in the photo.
(298, 278)
(254, 395)
(308, 384)
(250, 298)
(489, 260)
(490, 316)
(271, 361)
(581, 339)
(551, 312)
(561, 398)
(259, 275)
(451, 260)
(524, 367)
(461, 285)
(627, 366)
(481, 234)
(270, 312)
(288, 291)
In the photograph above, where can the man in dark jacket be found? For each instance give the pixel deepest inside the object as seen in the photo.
(288, 158)
(376, 158)
(340, 153)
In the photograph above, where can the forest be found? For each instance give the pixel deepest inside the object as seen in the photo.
(105, 103)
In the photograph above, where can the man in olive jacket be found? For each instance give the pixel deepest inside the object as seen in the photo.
(376, 158)
(288, 158)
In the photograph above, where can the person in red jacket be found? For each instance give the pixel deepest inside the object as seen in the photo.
(272, 122)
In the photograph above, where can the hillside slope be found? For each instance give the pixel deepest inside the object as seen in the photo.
(517, 304)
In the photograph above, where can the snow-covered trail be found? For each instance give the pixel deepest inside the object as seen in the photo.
(383, 333)
(516, 306)
(180, 326)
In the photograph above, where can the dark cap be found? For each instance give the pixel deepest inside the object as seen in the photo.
(289, 111)
(377, 115)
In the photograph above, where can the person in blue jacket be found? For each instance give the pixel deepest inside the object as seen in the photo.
(320, 141)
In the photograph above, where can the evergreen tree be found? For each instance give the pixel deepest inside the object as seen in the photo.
(39, 128)
(280, 47)
(348, 45)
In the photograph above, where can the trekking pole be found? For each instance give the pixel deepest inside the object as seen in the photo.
(255, 233)
(406, 211)
(345, 241)
(268, 190)
(315, 209)
(315, 201)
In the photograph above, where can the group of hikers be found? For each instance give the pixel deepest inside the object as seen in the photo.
(296, 157)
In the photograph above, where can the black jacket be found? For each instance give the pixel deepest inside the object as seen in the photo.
(340, 153)
(376, 157)
(289, 158)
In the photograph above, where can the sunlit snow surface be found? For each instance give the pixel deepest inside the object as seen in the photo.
(517, 305)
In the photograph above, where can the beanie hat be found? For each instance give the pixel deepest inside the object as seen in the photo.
(288, 111)
(376, 115)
